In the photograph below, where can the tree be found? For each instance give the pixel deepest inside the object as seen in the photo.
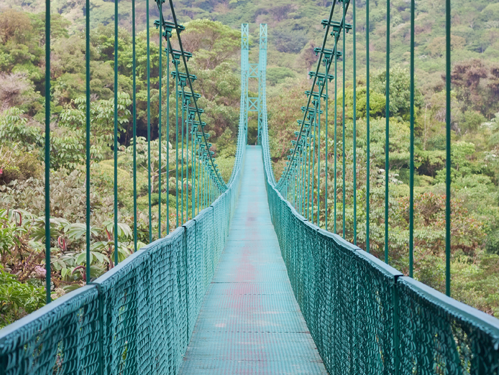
(211, 43)
(399, 91)
(466, 77)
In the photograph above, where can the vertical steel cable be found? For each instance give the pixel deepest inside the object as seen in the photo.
(335, 133)
(319, 151)
(182, 114)
(354, 124)
(303, 151)
(148, 120)
(115, 230)
(209, 189)
(160, 130)
(87, 140)
(343, 120)
(205, 185)
(313, 148)
(448, 144)
(368, 130)
(176, 137)
(411, 166)
(198, 176)
(328, 64)
(193, 172)
(387, 129)
(309, 167)
(134, 101)
(201, 185)
(187, 167)
(168, 49)
(47, 152)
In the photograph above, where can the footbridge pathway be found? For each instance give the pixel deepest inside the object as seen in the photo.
(250, 321)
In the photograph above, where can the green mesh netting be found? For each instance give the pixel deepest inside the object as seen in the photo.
(61, 338)
(365, 316)
(135, 319)
(439, 335)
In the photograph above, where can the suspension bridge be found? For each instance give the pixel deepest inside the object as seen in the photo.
(251, 280)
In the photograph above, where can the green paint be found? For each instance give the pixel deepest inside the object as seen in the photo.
(368, 131)
(448, 163)
(411, 151)
(160, 122)
(148, 119)
(115, 148)
(47, 152)
(387, 129)
(87, 140)
(134, 114)
(354, 124)
(343, 150)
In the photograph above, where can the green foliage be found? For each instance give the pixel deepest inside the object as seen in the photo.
(102, 126)
(226, 145)
(399, 91)
(16, 164)
(288, 41)
(471, 120)
(278, 75)
(17, 299)
(211, 42)
(226, 165)
(492, 244)
(14, 129)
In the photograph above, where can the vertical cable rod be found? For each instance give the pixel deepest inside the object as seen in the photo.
(134, 101)
(387, 128)
(115, 150)
(411, 151)
(167, 175)
(343, 148)
(354, 123)
(184, 104)
(47, 153)
(368, 135)
(335, 141)
(176, 139)
(319, 153)
(87, 140)
(148, 37)
(448, 146)
(160, 122)
(326, 151)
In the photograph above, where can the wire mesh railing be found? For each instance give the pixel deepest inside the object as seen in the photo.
(365, 316)
(139, 316)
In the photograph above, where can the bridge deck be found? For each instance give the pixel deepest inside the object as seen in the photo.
(250, 322)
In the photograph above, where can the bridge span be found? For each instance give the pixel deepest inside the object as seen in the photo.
(250, 280)
(250, 322)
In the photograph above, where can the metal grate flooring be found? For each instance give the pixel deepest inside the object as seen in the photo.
(250, 322)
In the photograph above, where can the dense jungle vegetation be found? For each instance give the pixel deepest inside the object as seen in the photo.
(213, 37)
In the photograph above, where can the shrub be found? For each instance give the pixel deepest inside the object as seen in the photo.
(17, 299)
(18, 165)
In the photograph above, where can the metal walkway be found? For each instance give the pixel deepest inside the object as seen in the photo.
(250, 322)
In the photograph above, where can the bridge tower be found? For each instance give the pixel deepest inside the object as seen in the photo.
(244, 74)
(255, 71)
(262, 79)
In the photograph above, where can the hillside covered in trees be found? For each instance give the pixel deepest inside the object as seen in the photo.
(212, 35)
